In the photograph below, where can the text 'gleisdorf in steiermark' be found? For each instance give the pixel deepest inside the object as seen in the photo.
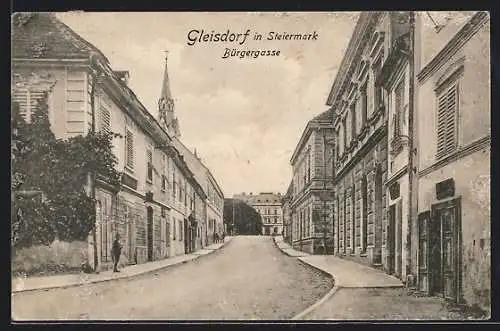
(233, 41)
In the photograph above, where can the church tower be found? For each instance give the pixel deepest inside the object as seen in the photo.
(166, 106)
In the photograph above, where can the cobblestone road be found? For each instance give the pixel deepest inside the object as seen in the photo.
(248, 279)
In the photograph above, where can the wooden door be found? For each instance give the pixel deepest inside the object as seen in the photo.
(450, 252)
(391, 245)
(423, 251)
(398, 239)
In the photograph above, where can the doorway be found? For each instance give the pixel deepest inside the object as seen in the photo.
(444, 250)
(187, 241)
(377, 220)
(364, 215)
(394, 239)
(150, 232)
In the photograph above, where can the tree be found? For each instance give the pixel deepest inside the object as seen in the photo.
(58, 168)
(246, 219)
(32, 161)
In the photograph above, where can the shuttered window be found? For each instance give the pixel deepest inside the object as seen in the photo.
(149, 156)
(27, 100)
(447, 104)
(353, 123)
(75, 102)
(129, 149)
(398, 107)
(163, 172)
(105, 119)
(364, 102)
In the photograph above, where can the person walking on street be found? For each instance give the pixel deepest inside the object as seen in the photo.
(116, 251)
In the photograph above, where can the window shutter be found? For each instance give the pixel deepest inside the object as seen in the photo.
(27, 100)
(149, 156)
(399, 100)
(105, 120)
(446, 121)
(129, 141)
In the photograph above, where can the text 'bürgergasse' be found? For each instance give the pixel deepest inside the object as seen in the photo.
(197, 37)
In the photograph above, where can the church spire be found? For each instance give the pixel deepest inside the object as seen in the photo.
(165, 89)
(166, 105)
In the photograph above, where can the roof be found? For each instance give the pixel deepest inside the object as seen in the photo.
(349, 55)
(327, 117)
(43, 36)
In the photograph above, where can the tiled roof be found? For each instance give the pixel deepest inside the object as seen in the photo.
(326, 116)
(43, 36)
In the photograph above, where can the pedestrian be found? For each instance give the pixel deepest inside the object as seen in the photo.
(116, 251)
(223, 236)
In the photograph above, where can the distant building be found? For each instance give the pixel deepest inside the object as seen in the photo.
(311, 201)
(287, 215)
(268, 205)
(208, 212)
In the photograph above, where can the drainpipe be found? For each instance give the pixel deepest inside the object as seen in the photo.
(92, 175)
(410, 140)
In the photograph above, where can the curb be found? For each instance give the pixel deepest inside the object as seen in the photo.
(321, 301)
(46, 288)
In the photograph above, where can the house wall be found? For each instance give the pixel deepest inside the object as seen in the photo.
(470, 165)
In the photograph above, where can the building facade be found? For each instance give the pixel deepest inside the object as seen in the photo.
(268, 205)
(209, 218)
(311, 204)
(452, 230)
(287, 215)
(361, 165)
(156, 206)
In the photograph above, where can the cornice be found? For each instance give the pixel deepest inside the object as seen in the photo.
(454, 45)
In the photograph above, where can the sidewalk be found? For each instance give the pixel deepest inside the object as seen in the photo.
(287, 249)
(345, 273)
(23, 284)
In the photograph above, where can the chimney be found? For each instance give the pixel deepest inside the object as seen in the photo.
(123, 75)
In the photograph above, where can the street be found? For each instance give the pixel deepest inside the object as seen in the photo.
(247, 279)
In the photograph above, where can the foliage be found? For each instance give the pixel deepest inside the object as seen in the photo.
(60, 169)
(247, 221)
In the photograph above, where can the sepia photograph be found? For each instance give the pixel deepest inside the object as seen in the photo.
(250, 166)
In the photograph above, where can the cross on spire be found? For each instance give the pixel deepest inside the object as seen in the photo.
(166, 54)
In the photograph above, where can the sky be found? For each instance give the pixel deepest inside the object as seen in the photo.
(243, 116)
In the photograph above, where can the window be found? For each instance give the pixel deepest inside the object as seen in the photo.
(163, 172)
(27, 101)
(344, 134)
(378, 97)
(180, 230)
(364, 102)
(353, 122)
(105, 119)
(75, 101)
(447, 103)
(174, 230)
(129, 149)
(174, 190)
(149, 174)
(398, 107)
